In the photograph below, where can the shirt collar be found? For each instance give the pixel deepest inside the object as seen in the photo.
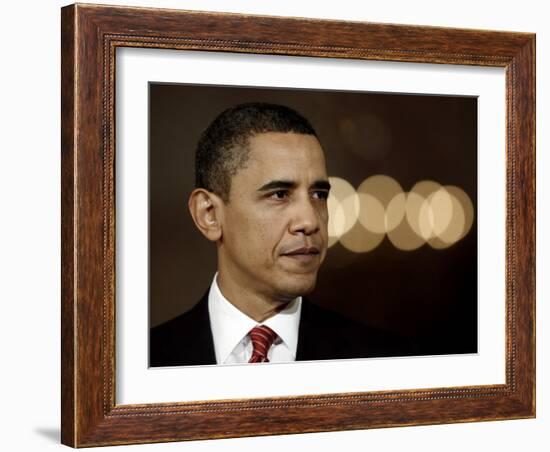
(230, 325)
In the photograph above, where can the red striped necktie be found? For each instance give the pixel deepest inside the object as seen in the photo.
(262, 338)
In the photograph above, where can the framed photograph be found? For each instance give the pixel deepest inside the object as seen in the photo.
(361, 196)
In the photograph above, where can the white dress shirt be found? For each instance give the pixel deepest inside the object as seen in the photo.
(230, 329)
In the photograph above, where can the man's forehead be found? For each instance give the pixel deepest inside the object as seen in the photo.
(295, 159)
(281, 138)
(284, 150)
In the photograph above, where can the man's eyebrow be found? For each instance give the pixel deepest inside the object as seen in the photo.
(288, 184)
(321, 185)
(277, 184)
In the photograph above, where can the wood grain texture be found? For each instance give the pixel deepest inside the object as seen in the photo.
(90, 36)
(68, 244)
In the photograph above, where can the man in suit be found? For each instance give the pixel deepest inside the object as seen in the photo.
(261, 198)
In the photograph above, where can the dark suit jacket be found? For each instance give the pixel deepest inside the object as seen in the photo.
(187, 339)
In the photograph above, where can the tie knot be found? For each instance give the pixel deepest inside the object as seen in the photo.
(262, 338)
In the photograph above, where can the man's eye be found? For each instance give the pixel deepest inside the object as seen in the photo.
(321, 194)
(279, 194)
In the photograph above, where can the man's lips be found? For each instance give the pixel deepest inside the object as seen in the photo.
(303, 251)
(304, 257)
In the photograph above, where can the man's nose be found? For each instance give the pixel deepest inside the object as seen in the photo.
(305, 218)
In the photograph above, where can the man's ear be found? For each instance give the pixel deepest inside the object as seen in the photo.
(205, 208)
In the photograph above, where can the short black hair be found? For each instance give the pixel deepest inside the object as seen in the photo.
(223, 147)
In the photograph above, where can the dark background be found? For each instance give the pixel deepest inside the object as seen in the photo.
(427, 294)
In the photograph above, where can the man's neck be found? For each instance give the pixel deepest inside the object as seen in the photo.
(256, 306)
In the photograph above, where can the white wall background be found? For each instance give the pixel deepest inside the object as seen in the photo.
(30, 225)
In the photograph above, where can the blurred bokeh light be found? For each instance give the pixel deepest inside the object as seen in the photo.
(429, 213)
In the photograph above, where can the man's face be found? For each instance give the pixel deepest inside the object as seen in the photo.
(274, 227)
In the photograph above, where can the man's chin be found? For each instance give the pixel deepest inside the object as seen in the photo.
(298, 285)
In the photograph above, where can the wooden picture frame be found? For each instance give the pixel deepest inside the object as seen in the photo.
(90, 36)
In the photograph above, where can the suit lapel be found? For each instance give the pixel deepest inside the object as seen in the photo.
(311, 334)
(200, 348)
(185, 340)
